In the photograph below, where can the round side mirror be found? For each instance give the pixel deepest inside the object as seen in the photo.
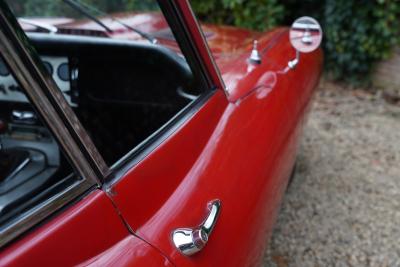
(305, 34)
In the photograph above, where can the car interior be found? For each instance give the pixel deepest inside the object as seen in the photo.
(121, 91)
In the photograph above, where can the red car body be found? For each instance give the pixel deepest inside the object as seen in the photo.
(239, 147)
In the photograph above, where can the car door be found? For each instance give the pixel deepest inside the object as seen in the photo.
(236, 153)
(53, 212)
(217, 156)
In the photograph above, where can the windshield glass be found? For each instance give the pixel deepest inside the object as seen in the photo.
(133, 86)
(58, 8)
(122, 19)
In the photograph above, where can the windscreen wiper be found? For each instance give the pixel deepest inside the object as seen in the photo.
(82, 10)
(86, 10)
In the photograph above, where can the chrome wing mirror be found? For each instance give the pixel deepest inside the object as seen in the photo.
(305, 36)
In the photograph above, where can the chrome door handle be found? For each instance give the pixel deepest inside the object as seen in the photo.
(191, 240)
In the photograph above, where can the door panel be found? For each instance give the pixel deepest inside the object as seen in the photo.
(143, 190)
(243, 161)
(244, 164)
(88, 232)
(241, 153)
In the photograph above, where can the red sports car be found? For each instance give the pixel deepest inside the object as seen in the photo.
(146, 138)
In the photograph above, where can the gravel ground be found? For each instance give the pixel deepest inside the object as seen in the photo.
(343, 207)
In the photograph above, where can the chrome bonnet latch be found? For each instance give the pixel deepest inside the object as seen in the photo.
(191, 240)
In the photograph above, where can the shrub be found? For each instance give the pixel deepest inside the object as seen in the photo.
(254, 14)
(357, 33)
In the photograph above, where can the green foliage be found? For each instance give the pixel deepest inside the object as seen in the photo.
(254, 14)
(34, 8)
(357, 33)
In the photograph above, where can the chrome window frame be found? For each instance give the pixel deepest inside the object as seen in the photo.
(51, 105)
(20, 224)
(43, 93)
(172, 11)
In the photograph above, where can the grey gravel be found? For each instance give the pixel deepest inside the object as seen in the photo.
(343, 207)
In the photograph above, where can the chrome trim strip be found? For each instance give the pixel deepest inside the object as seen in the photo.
(183, 38)
(183, 94)
(47, 27)
(138, 153)
(44, 94)
(51, 106)
(211, 57)
(40, 212)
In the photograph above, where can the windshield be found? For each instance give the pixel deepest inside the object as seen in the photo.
(58, 8)
(96, 18)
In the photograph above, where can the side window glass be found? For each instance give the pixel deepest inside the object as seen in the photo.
(124, 73)
(32, 166)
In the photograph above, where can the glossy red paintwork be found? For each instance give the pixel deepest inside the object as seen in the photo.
(88, 233)
(241, 153)
(239, 148)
